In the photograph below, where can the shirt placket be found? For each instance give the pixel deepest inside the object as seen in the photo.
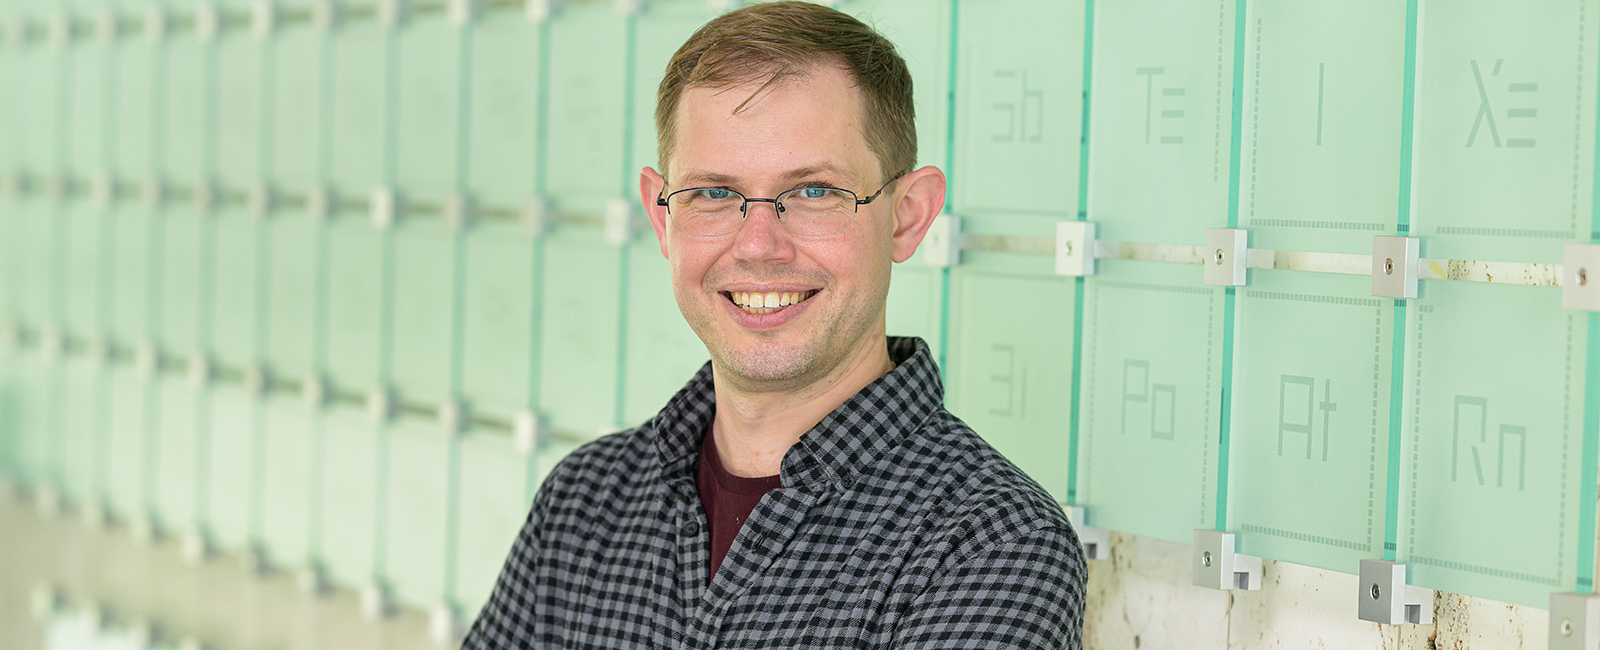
(692, 534)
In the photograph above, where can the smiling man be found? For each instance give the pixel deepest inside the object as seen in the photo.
(806, 488)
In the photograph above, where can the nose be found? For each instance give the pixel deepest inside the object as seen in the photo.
(761, 237)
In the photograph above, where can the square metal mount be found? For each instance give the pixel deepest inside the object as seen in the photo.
(1574, 621)
(1075, 242)
(1225, 256)
(526, 434)
(383, 204)
(941, 247)
(535, 216)
(1217, 566)
(539, 11)
(1096, 541)
(620, 218)
(263, 17)
(1388, 599)
(1396, 266)
(1580, 277)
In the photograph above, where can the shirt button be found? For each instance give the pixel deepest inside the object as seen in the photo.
(691, 528)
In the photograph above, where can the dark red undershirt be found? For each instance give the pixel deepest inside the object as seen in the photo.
(727, 499)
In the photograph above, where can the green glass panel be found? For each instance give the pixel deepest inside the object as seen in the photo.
(504, 112)
(89, 120)
(424, 309)
(578, 376)
(417, 530)
(10, 407)
(1310, 430)
(241, 76)
(670, 23)
(427, 106)
(585, 147)
(498, 336)
(83, 268)
(349, 515)
(358, 132)
(187, 100)
(133, 230)
(294, 249)
(37, 263)
(182, 270)
(920, 30)
(40, 70)
(237, 242)
(551, 453)
(494, 504)
(179, 447)
(1010, 379)
(236, 461)
(298, 108)
(1322, 119)
(129, 475)
(1151, 399)
(1160, 126)
(134, 116)
(1505, 126)
(663, 353)
(915, 302)
(82, 416)
(1019, 106)
(355, 286)
(37, 455)
(1496, 430)
(288, 478)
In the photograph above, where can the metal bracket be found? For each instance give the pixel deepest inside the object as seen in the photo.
(942, 245)
(452, 417)
(263, 18)
(535, 216)
(380, 405)
(383, 205)
(1075, 241)
(259, 200)
(1226, 256)
(375, 602)
(627, 7)
(205, 22)
(461, 12)
(196, 546)
(102, 191)
(314, 391)
(1580, 277)
(60, 29)
(199, 370)
(1096, 541)
(539, 11)
(1388, 599)
(1396, 266)
(1217, 566)
(105, 26)
(444, 625)
(619, 221)
(324, 15)
(319, 203)
(154, 192)
(390, 13)
(312, 579)
(457, 211)
(526, 435)
(1574, 621)
(155, 23)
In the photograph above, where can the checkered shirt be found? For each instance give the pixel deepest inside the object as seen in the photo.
(896, 527)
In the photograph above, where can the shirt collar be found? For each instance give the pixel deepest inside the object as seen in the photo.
(869, 423)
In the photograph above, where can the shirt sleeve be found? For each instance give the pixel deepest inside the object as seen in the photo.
(507, 619)
(1025, 594)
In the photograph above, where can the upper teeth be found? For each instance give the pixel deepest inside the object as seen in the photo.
(757, 300)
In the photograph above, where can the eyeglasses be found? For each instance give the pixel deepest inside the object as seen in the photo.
(810, 211)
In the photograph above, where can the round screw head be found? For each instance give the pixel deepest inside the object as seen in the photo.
(1375, 591)
(1388, 266)
(1583, 277)
(1067, 246)
(1220, 257)
(1566, 627)
(1205, 558)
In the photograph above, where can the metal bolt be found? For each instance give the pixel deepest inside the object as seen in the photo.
(1388, 266)
(1583, 277)
(1205, 558)
(1375, 591)
(1219, 257)
(1067, 246)
(1566, 627)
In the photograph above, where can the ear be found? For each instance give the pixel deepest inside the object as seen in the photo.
(918, 198)
(650, 186)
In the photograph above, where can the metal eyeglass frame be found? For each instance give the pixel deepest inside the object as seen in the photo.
(662, 201)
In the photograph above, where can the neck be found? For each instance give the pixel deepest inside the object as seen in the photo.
(754, 429)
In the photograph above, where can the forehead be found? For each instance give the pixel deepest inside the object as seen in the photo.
(750, 132)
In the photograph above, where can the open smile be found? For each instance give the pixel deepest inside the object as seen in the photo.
(756, 302)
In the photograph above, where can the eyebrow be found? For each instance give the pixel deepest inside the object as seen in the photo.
(695, 176)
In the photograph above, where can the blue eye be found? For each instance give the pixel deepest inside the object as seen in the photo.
(716, 193)
(815, 192)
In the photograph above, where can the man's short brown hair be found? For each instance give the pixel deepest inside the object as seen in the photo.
(783, 39)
